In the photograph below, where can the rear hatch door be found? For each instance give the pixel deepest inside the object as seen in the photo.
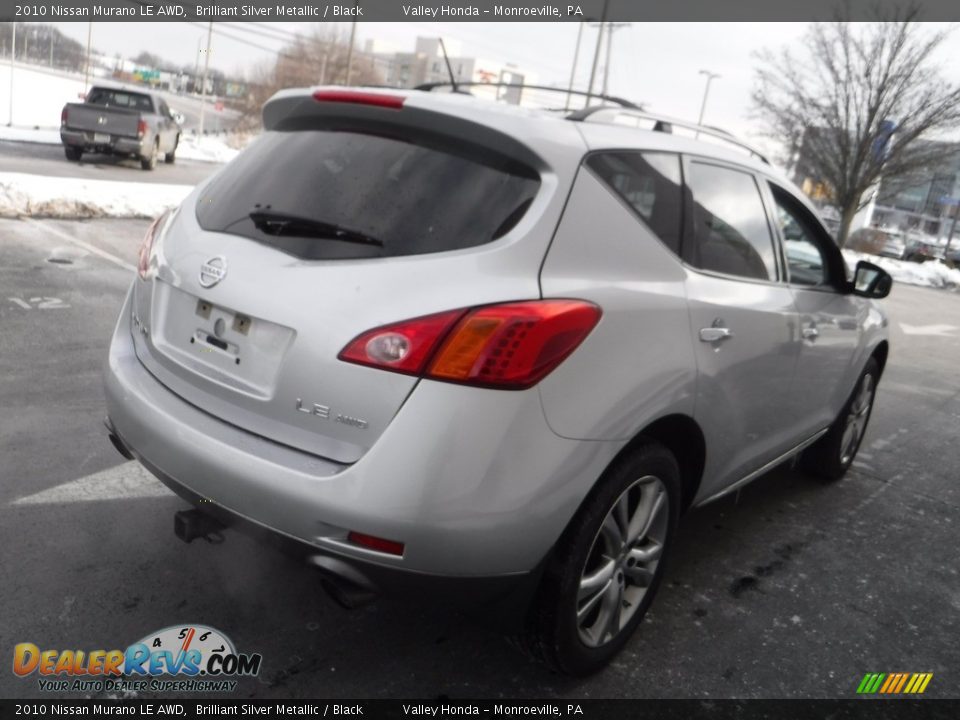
(315, 235)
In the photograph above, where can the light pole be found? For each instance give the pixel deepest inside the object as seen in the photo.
(206, 69)
(13, 54)
(706, 91)
(86, 72)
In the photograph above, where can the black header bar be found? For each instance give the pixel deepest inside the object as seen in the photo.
(565, 709)
(465, 10)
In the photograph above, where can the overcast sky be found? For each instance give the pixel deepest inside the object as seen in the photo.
(653, 63)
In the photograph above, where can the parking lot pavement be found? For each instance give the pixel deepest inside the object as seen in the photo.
(40, 159)
(791, 588)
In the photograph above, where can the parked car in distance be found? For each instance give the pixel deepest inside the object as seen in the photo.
(437, 341)
(875, 241)
(921, 249)
(121, 121)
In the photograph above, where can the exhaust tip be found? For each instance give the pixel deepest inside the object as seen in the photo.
(346, 585)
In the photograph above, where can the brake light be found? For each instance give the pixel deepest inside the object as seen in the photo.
(391, 547)
(146, 247)
(63, 116)
(141, 128)
(392, 102)
(509, 346)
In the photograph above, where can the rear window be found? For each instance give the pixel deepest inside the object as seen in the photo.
(121, 99)
(325, 194)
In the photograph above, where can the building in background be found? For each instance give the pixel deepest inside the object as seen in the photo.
(426, 64)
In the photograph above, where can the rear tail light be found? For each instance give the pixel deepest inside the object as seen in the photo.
(392, 102)
(141, 128)
(510, 346)
(146, 247)
(63, 116)
(391, 547)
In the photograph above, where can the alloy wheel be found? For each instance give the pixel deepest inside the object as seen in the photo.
(622, 561)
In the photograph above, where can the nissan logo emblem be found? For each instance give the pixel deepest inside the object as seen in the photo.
(213, 271)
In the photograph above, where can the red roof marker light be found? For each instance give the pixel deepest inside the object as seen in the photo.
(392, 102)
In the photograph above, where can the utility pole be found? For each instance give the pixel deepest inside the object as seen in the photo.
(51, 48)
(206, 68)
(353, 34)
(611, 27)
(596, 52)
(573, 69)
(706, 91)
(86, 72)
(13, 54)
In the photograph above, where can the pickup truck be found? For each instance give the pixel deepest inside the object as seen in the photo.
(121, 121)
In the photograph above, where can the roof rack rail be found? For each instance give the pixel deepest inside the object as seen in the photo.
(428, 87)
(663, 123)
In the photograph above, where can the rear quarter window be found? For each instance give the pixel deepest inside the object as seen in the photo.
(650, 184)
(409, 197)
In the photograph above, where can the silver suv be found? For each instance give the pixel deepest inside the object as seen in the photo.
(430, 339)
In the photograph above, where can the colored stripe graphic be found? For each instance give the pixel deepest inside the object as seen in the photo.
(894, 683)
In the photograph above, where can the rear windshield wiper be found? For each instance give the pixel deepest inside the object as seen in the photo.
(277, 223)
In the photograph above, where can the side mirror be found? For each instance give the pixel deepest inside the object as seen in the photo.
(871, 281)
(177, 117)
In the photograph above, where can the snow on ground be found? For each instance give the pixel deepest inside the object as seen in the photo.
(929, 274)
(38, 95)
(39, 196)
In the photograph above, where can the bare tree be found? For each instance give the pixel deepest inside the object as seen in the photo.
(844, 93)
(316, 59)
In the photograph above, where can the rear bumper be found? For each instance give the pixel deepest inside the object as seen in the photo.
(473, 482)
(117, 144)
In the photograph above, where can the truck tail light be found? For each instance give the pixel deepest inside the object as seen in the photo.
(141, 129)
(511, 346)
(63, 117)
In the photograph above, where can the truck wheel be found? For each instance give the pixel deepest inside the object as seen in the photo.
(171, 157)
(606, 567)
(73, 153)
(150, 162)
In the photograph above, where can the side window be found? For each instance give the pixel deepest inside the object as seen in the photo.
(163, 109)
(807, 263)
(650, 184)
(730, 230)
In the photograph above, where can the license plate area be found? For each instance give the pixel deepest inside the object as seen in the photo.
(101, 138)
(219, 343)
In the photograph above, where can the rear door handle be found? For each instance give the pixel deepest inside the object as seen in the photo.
(715, 334)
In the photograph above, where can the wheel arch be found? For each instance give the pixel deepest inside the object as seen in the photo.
(880, 354)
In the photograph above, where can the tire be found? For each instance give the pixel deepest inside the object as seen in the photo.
(831, 456)
(171, 157)
(73, 153)
(648, 477)
(150, 162)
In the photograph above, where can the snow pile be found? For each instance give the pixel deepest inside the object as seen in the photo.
(36, 196)
(928, 274)
(213, 148)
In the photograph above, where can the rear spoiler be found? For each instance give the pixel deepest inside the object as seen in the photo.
(396, 114)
